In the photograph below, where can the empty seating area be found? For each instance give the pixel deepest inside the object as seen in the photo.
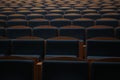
(28, 69)
(59, 39)
(59, 13)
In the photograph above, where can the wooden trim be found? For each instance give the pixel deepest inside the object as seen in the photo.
(105, 60)
(63, 58)
(81, 50)
(39, 71)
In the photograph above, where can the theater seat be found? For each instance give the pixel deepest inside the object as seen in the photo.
(85, 22)
(65, 70)
(5, 46)
(28, 46)
(38, 22)
(2, 31)
(99, 31)
(107, 21)
(105, 70)
(18, 31)
(64, 47)
(16, 69)
(73, 31)
(102, 47)
(117, 32)
(17, 22)
(60, 22)
(2, 23)
(45, 31)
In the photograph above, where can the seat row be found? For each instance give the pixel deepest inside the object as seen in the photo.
(80, 70)
(21, 69)
(60, 2)
(78, 9)
(56, 14)
(63, 48)
(46, 32)
(59, 22)
(61, 7)
(59, 11)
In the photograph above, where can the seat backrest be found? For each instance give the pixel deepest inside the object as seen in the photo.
(117, 32)
(99, 31)
(17, 70)
(18, 31)
(60, 22)
(111, 15)
(5, 47)
(33, 16)
(107, 21)
(103, 48)
(73, 31)
(85, 22)
(72, 16)
(52, 16)
(17, 22)
(2, 31)
(92, 15)
(28, 47)
(63, 47)
(2, 22)
(3, 17)
(45, 31)
(38, 22)
(16, 16)
(105, 70)
(65, 70)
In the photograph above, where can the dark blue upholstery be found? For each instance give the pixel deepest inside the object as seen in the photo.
(16, 16)
(103, 11)
(45, 32)
(7, 12)
(3, 17)
(18, 32)
(72, 11)
(88, 11)
(103, 48)
(65, 70)
(33, 16)
(2, 31)
(17, 22)
(76, 32)
(100, 31)
(2, 23)
(43, 12)
(16, 70)
(52, 16)
(60, 22)
(28, 48)
(117, 32)
(25, 12)
(72, 16)
(38, 22)
(92, 16)
(85, 22)
(107, 21)
(80, 7)
(5, 47)
(48, 8)
(111, 15)
(105, 71)
(97, 8)
(62, 48)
